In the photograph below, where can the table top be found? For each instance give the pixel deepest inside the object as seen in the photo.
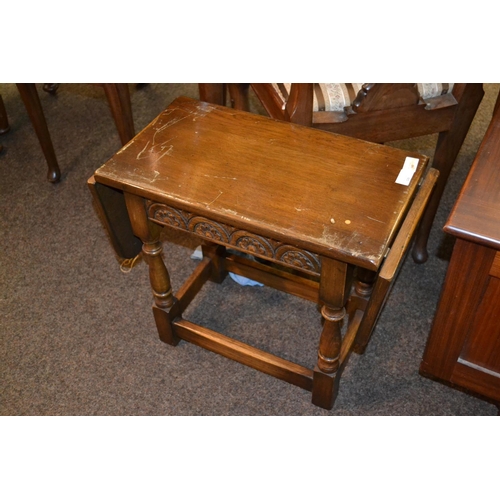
(329, 194)
(476, 214)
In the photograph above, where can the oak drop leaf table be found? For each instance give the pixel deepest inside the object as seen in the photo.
(325, 207)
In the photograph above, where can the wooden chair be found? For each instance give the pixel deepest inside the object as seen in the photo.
(119, 102)
(376, 112)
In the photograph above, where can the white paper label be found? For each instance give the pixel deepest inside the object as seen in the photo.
(406, 173)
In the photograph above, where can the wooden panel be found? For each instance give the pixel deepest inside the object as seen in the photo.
(409, 226)
(483, 344)
(334, 194)
(232, 237)
(465, 284)
(495, 267)
(110, 207)
(477, 380)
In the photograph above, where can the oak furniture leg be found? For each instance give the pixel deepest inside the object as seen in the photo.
(238, 94)
(217, 255)
(31, 100)
(363, 289)
(4, 121)
(118, 96)
(447, 149)
(164, 305)
(214, 93)
(50, 88)
(333, 293)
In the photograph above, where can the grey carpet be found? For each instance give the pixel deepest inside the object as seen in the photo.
(78, 336)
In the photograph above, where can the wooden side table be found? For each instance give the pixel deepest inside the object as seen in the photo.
(324, 206)
(463, 348)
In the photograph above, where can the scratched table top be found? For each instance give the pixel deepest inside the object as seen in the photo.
(330, 194)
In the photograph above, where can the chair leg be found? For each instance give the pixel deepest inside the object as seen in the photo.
(497, 105)
(4, 121)
(31, 100)
(214, 93)
(238, 93)
(118, 97)
(50, 88)
(447, 149)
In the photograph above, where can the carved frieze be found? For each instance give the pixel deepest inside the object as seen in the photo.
(240, 239)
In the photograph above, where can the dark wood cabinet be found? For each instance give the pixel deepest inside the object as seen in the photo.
(463, 348)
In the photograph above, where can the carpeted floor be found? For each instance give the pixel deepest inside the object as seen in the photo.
(78, 336)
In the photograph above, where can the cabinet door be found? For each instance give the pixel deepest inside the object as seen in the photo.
(479, 361)
(464, 344)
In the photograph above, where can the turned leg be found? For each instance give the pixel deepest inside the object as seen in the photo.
(118, 96)
(331, 339)
(333, 292)
(33, 106)
(164, 305)
(363, 289)
(447, 149)
(361, 292)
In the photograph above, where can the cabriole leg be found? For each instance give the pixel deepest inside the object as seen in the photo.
(33, 106)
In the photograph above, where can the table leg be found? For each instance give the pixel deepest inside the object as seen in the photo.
(216, 253)
(335, 283)
(165, 305)
(33, 106)
(363, 289)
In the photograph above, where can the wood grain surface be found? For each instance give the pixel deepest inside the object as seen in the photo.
(335, 195)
